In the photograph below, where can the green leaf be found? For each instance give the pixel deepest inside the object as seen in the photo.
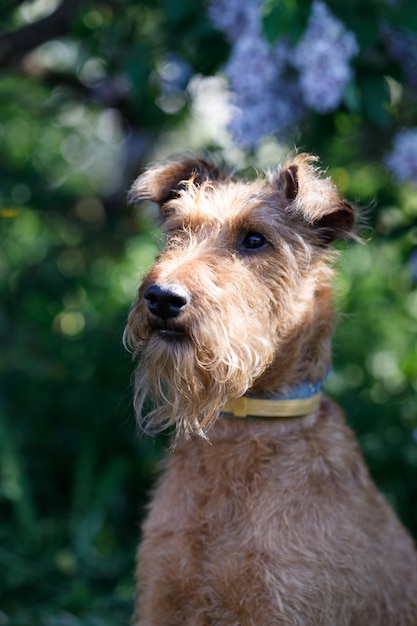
(404, 14)
(375, 99)
(284, 18)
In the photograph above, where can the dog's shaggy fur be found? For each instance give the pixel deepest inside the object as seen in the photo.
(271, 521)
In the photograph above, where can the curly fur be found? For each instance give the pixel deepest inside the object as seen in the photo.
(271, 522)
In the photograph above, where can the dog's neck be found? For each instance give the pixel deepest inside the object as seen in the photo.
(297, 401)
(304, 355)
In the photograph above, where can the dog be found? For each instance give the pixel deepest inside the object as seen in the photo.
(264, 513)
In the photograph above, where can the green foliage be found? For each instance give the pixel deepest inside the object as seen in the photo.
(81, 111)
(285, 18)
(375, 365)
(70, 459)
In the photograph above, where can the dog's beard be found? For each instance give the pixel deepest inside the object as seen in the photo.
(187, 379)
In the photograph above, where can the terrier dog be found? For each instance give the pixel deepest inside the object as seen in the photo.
(265, 513)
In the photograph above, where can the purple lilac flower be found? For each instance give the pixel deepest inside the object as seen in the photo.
(255, 119)
(253, 65)
(322, 58)
(402, 47)
(402, 160)
(263, 100)
(234, 17)
(266, 100)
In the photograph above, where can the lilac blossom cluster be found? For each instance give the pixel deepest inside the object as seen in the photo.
(234, 17)
(323, 59)
(268, 96)
(402, 47)
(264, 99)
(402, 160)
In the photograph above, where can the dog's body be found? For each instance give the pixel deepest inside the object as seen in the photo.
(274, 520)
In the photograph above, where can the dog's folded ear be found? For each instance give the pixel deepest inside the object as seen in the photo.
(314, 198)
(162, 182)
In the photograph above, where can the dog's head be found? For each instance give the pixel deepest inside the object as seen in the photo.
(239, 297)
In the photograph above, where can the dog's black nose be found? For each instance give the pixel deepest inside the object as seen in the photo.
(166, 302)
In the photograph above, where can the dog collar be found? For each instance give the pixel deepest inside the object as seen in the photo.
(298, 401)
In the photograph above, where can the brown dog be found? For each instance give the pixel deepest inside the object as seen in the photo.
(274, 519)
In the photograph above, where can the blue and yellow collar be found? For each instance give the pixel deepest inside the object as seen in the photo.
(300, 400)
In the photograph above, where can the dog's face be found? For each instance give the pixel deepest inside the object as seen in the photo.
(243, 269)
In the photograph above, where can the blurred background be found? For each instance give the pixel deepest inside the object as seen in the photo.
(91, 92)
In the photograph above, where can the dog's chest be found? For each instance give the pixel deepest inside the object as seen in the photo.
(284, 518)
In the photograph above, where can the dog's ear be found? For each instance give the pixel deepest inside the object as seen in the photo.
(162, 182)
(314, 198)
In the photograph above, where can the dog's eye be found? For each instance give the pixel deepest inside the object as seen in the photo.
(253, 241)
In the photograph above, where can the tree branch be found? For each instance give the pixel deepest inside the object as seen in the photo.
(13, 46)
